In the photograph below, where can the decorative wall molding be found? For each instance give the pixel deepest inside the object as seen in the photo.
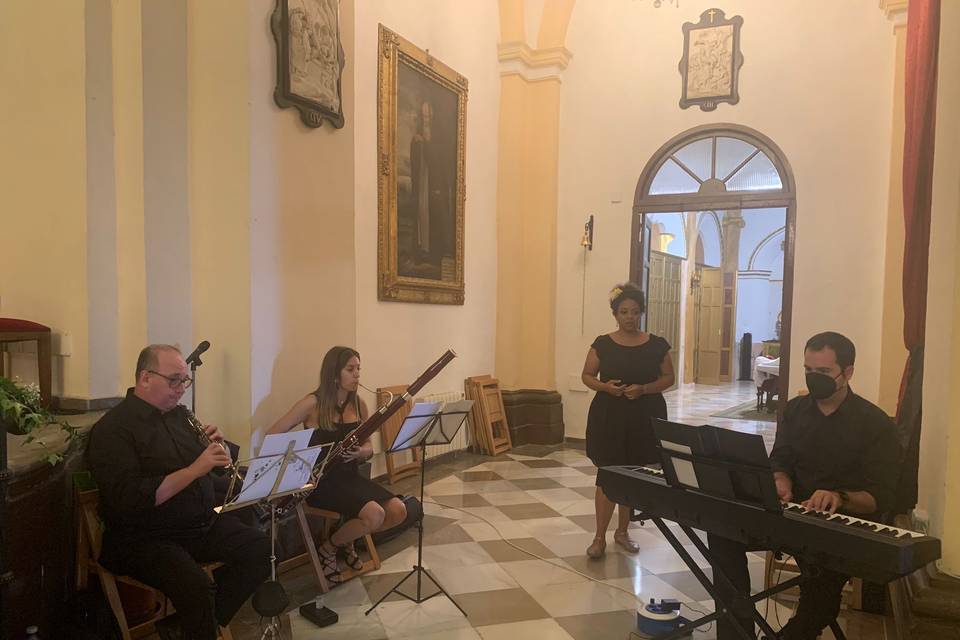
(764, 242)
(754, 274)
(896, 11)
(518, 58)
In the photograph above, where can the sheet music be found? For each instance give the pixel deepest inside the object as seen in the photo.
(452, 417)
(449, 416)
(276, 444)
(420, 415)
(264, 470)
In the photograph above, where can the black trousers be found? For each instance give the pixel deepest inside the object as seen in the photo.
(820, 593)
(171, 566)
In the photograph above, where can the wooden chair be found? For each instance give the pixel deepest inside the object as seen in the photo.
(313, 557)
(488, 414)
(13, 330)
(388, 433)
(766, 392)
(89, 539)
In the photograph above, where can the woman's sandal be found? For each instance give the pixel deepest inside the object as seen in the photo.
(329, 563)
(597, 548)
(350, 557)
(622, 538)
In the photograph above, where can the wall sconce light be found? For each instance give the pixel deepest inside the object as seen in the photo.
(587, 240)
(665, 240)
(695, 280)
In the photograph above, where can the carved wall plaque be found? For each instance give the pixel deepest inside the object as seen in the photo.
(710, 66)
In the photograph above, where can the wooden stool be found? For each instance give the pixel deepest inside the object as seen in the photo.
(329, 518)
(13, 330)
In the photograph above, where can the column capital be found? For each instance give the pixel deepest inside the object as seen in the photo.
(896, 11)
(532, 64)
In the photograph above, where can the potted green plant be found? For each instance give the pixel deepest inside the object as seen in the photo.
(22, 413)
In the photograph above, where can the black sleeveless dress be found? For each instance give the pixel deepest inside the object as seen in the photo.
(344, 490)
(619, 430)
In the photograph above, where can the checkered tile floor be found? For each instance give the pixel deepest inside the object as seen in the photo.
(541, 499)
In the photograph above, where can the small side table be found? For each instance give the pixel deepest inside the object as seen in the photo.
(14, 330)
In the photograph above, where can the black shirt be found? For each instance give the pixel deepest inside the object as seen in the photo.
(855, 448)
(131, 449)
(635, 364)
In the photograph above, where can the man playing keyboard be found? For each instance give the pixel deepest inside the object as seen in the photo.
(834, 451)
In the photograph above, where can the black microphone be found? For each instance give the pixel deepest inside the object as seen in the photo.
(194, 358)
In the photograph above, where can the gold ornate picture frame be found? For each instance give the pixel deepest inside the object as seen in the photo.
(710, 66)
(421, 138)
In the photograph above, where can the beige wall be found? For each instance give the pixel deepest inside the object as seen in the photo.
(940, 441)
(43, 176)
(398, 340)
(302, 250)
(219, 170)
(128, 124)
(827, 109)
(893, 354)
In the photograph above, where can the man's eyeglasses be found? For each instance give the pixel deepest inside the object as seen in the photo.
(174, 381)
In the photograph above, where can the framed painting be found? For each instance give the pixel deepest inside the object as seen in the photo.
(422, 109)
(309, 59)
(710, 66)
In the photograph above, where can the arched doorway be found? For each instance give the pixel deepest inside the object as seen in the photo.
(710, 178)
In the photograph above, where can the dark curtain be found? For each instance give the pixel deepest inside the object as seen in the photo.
(923, 32)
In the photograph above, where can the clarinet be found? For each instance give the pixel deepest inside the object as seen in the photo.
(366, 429)
(206, 441)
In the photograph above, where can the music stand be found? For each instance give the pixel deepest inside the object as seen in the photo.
(427, 423)
(731, 466)
(275, 476)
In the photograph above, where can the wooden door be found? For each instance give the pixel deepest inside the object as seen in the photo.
(709, 326)
(663, 303)
(644, 276)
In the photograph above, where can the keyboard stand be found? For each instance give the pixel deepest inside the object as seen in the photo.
(724, 608)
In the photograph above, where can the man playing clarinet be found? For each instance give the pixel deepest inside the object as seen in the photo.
(157, 482)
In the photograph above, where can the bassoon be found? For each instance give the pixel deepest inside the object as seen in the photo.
(367, 428)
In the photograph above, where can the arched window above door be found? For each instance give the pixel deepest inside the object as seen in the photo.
(716, 163)
(735, 164)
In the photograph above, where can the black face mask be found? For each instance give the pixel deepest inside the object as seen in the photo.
(820, 385)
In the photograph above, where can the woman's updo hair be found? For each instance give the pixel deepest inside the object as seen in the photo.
(626, 291)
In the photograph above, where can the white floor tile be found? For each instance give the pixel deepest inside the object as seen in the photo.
(579, 598)
(530, 574)
(481, 577)
(645, 586)
(572, 544)
(405, 618)
(505, 529)
(577, 481)
(544, 629)
(540, 527)
(498, 498)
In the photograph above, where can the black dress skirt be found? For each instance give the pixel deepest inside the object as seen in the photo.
(619, 430)
(344, 490)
